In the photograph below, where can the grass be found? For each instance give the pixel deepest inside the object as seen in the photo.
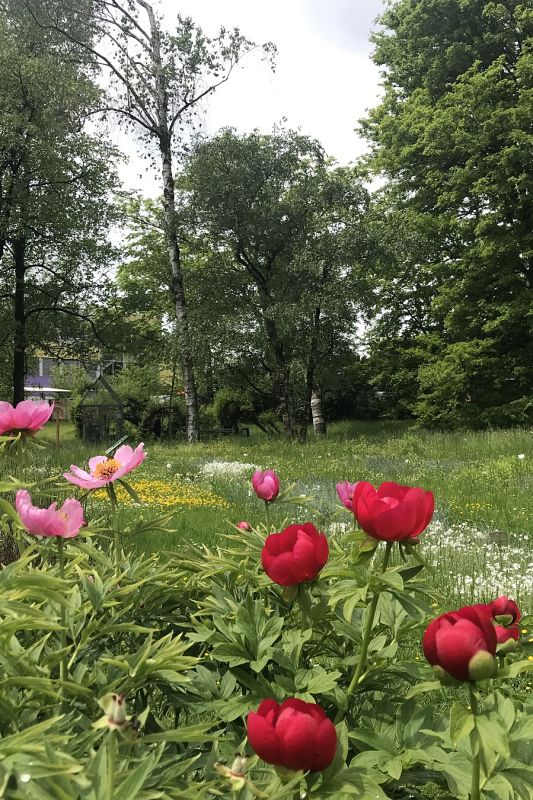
(479, 542)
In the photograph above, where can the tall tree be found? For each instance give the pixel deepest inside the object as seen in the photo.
(54, 192)
(158, 79)
(453, 136)
(287, 229)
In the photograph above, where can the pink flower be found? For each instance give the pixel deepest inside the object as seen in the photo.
(65, 522)
(104, 470)
(345, 491)
(266, 485)
(25, 417)
(244, 526)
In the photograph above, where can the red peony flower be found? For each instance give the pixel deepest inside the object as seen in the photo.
(462, 643)
(392, 512)
(266, 485)
(295, 555)
(294, 734)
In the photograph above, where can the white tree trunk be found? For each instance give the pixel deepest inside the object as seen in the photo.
(319, 423)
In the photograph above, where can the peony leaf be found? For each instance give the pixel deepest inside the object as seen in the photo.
(461, 722)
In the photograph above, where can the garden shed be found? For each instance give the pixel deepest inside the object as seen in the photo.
(101, 413)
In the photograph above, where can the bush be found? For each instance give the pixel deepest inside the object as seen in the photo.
(229, 405)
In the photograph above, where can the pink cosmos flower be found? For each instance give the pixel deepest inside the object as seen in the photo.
(65, 521)
(266, 485)
(345, 491)
(25, 417)
(105, 470)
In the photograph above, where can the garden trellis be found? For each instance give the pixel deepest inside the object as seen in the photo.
(101, 412)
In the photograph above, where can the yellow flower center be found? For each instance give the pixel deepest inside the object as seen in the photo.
(106, 468)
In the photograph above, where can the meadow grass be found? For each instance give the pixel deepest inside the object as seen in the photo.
(479, 542)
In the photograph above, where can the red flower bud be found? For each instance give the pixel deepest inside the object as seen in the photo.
(504, 610)
(503, 634)
(463, 643)
(392, 512)
(244, 526)
(266, 485)
(295, 555)
(294, 734)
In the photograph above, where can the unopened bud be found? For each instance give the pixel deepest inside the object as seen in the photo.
(481, 666)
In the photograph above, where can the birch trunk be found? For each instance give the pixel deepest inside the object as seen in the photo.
(319, 423)
(171, 236)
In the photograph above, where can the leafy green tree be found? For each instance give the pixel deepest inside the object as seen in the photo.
(285, 231)
(453, 137)
(157, 81)
(55, 211)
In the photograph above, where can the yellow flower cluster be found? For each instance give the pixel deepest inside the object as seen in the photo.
(165, 494)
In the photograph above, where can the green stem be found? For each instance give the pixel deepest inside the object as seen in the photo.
(371, 612)
(114, 502)
(474, 791)
(111, 750)
(267, 512)
(63, 664)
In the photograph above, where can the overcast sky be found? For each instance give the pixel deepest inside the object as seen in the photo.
(324, 79)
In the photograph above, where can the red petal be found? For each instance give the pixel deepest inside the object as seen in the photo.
(363, 514)
(392, 489)
(263, 739)
(362, 489)
(280, 569)
(324, 745)
(321, 551)
(395, 524)
(303, 556)
(456, 645)
(296, 731)
(274, 544)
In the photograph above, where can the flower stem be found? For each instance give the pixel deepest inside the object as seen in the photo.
(63, 664)
(267, 513)
(114, 502)
(371, 611)
(474, 791)
(111, 749)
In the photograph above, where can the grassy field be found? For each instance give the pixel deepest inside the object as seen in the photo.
(480, 540)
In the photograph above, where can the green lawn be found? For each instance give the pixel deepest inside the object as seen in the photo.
(479, 541)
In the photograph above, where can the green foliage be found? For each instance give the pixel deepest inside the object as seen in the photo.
(452, 135)
(196, 639)
(54, 215)
(230, 404)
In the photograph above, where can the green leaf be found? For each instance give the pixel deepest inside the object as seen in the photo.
(492, 734)
(132, 785)
(512, 670)
(190, 734)
(7, 509)
(461, 722)
(425, 686)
